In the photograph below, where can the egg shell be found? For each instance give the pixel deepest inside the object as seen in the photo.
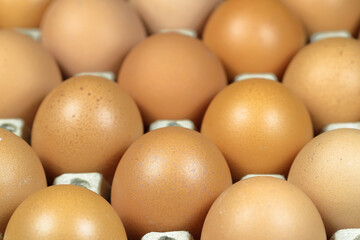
(327, 170)
(21, 174)
(327, 15)
(254, 36)
(167, 181)
(176, 14)
(22, 13)
(28, 72)
(90, 35)
(325, 75)
(85, 125)
(172, 76)
(263, 208)
(65, 212)
(258, 125)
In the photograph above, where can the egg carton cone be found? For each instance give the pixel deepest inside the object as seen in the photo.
(264, 175)
(324, 35)
(34, 33)
(347, 234)
(16, 126)
(176, 235)
(333, 126)
(186, 123)
(246, 76)
(108, 75)
(186, 32)
(92, 181)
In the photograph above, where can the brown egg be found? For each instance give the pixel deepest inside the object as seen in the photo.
(175, 14)
(258, 125)
(65, 212)
(263, 208)
(327, 170)
(22, 13)
(325, 75)
(167, 180)
(90, 35)
(85, 125)
(327, 15)
(172, 76)
(27, 74)
(254, 36)
(21, 174)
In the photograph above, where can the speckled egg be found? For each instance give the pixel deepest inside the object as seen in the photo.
(27, 73)
(65, 212)
(85, 125)
(167, 181)
(259, 126)
(325, 75)
(327, 170)
(263, 208)
(21, 174)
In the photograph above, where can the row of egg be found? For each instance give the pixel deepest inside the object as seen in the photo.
(67, 139)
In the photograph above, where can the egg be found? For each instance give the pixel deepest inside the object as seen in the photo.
(90, 35)
(22, 13)
(264, 208)
(172, 76)
(325, 75)
(254, 36)
(167, 181)
(27, 74)
(259, 126)
(21, 174)
(85, 125)
(326, 169)
(65, 212)
(327, 15)
(178, 14)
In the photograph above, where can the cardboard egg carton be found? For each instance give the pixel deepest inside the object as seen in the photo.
(108, 75)
(246, 76)
(187, 32)
(92, 181)
(16, 126)
(347, 234)
(172, 123)
(176, 235)
(333, 126)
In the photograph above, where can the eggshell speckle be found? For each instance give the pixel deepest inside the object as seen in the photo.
(65, 212)
(167, 181)
(21, 174)
(27, 74)
(85, 125)
(325, 75)
(327, 170)
(172, 76)
(254, 36)
(90, 35)
(263, 208)
(258, 125)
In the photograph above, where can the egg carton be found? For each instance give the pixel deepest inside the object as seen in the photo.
(333, 126)
(175, 235)
(108, 75)
(186, 123)
(347, 234)
(16, 126)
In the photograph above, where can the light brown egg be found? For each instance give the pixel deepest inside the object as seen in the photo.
(27, 74)
(65, 212)
(172, 76)
(254, 36)
(327, 15)
(327, 170)
(90, 35)
(258, 125)
(21, 174)
(167, 180)
(325, 75)
(22, 13)
(175, 14)
(85, 125)
(263, 208)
